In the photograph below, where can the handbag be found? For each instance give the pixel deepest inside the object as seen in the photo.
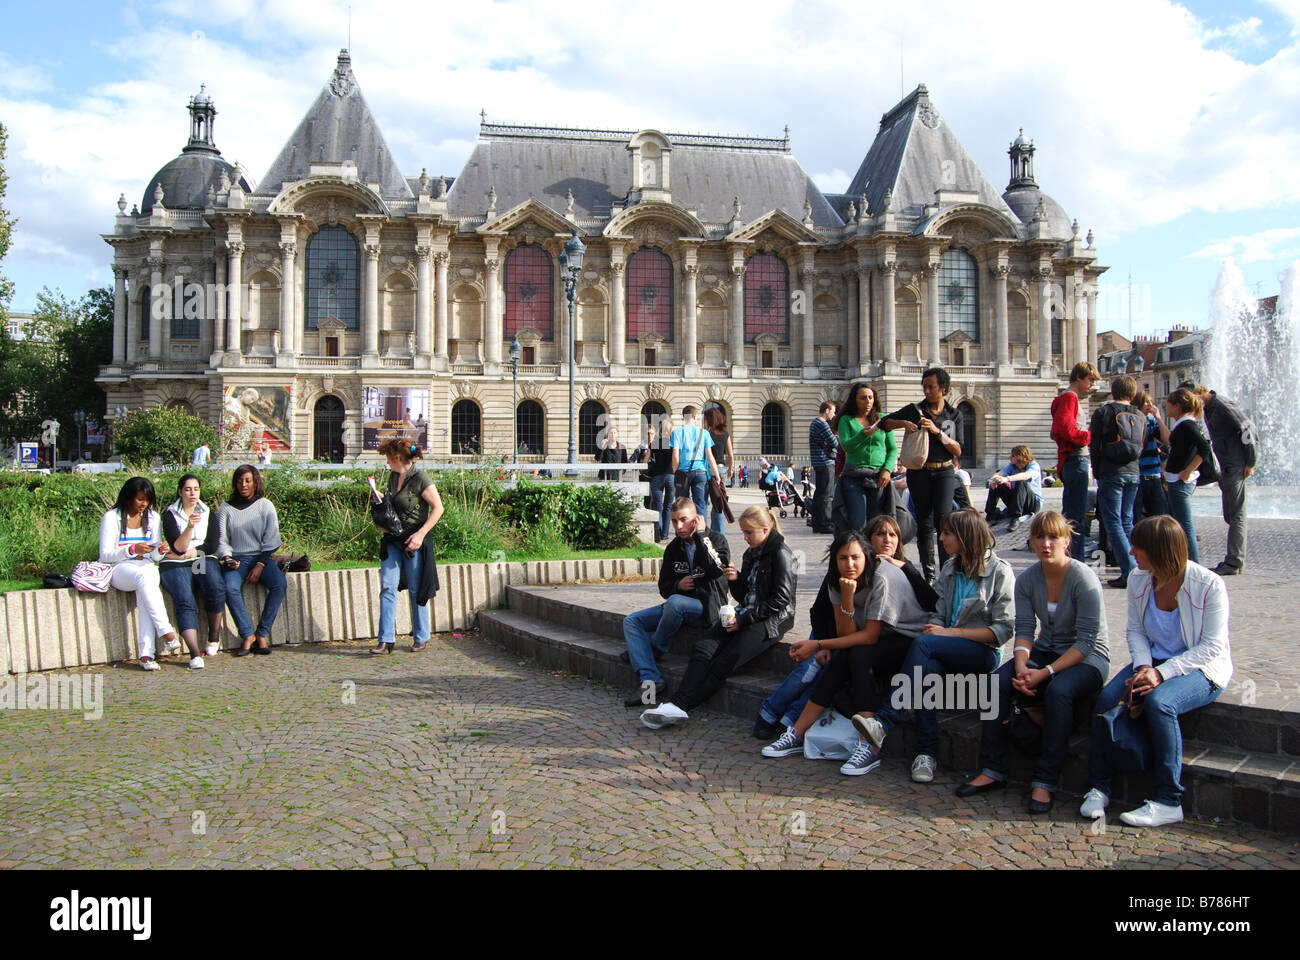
(54, 581)
(832, 737)
(91, 576)
(916, 448)
(290, 564)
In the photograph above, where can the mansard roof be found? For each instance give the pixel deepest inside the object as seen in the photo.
(338, 128)
(707, 172)
(915, 153)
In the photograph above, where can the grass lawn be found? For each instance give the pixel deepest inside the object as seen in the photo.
(20, 584)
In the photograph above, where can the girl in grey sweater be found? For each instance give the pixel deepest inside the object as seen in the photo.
(1068, 661)
(248, 532)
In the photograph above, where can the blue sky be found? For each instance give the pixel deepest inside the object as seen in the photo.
(1170, 130)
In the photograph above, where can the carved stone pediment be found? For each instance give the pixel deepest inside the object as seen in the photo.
(767, 341)
(655, 391)
(465, 389)
(779, 393)
(593, 390)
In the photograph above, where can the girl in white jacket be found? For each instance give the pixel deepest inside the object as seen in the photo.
(1178, 636)
(130, 535)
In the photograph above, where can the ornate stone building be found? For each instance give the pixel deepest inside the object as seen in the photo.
(336, 297)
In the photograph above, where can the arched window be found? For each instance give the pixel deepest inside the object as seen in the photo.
(530, 286)
(767, 298)
(466, 427)
(773, 431)
(649, 294)
(530, 421)
(333, 277)
(591, 427)
(967, 436)
(959, 295)
(652, 414)
(327, 430)
(146, 312)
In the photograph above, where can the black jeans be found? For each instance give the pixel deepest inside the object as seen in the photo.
(855, 677)
(823, 476)
(932, 494)
(1020, 501)
(716, 655)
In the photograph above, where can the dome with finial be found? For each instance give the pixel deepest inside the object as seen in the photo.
(1023, 195)
(183, 183)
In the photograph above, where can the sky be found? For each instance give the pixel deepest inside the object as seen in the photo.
(1171, 130)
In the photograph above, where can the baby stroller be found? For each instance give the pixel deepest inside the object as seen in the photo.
(781, 495)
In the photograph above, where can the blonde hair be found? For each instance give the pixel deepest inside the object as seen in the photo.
(1050, 523)
(1186, 401)
(1022, 451)
(757, 516)
(974, 539)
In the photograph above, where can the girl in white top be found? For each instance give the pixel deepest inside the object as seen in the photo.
(130, 535)
(1182, 660)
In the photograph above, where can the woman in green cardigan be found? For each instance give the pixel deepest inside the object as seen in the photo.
(869, 453)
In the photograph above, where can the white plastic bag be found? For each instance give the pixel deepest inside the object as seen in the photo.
(832, 737)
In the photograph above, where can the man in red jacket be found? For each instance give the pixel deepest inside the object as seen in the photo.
(1072, 455)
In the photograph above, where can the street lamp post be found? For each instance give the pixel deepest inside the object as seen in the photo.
(515, 352)
(80, 418)
(570, 268)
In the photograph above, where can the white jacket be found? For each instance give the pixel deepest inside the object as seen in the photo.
(110, 531)
(1203, 614)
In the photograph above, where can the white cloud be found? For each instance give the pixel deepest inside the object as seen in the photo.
(1281, 243)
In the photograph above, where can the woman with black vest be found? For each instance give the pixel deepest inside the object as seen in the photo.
(190, 532)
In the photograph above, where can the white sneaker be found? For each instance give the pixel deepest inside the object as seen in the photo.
(923, 768)
(196, 663)
(865, 759)
(212, 649)
(1152, 814)
(149, 665)
(1094, 804)
(663, 715)
(871, 728)
(173, 647)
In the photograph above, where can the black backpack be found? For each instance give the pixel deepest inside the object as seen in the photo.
(1123, 433)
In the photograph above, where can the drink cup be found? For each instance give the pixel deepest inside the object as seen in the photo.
(727, 615)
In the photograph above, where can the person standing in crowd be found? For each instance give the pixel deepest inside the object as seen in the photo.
(765, 587)
(744, 476)
(190, 531)
(658, 458)
(693, 461)
(1190, 460)
(1117, 434)
(1068, 662)
(202, 454)
(934, 484)
(1236, 447)
(130, 538)
(611, 451)
(1150, 501)
(870, 453)
(1178, 637)
(1072, 451)
(693, 583)
(248, 533)
(407, 557)
(1019, 485)
(715, 422)
(263, 451)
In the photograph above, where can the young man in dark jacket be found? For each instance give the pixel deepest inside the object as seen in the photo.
(692, 581)
(1235, 447)
(1117, 477)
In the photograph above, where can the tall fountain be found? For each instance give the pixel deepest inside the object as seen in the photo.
(1254, 359)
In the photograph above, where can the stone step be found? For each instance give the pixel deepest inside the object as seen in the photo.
(1222, 782)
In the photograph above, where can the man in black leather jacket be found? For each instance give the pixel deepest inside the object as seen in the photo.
(692, 581)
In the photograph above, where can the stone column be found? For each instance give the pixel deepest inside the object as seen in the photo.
(492, 323)
(423, 253)
(808, 345)
(864, 315)
(288, 319)
(157, 318)
(370, 300)
(1080, 305)
(932, 314)
(219, 307)
(736, 337)
(1045, 365)
(690, 311)
(119, 316)
(1091, 296)
(617, 310)
(1000, 332)
(889, 333)
(207, 308)
(440, 261)
(849, 357)
(234, 294)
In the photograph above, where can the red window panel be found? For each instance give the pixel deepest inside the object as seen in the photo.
(530, 291)
(649, 294)
(767, 296)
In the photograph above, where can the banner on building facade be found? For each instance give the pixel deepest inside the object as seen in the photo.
(400, 413)
(252, 415)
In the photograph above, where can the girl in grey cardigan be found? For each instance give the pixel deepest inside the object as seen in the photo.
(248, 532)
(1068, 661)
(973, 618)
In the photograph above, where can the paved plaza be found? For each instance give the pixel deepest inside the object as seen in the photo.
(324, 756)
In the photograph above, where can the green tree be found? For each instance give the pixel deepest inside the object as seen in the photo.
(77, 339)
(12, 356)
(6, 231)
(165, 433)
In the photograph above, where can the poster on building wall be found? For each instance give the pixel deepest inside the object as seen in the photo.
(253, 415)
(395, 413)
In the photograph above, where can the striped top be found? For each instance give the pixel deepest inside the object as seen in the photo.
(1149, 462)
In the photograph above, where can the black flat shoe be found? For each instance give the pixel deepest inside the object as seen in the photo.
(241, 652)
(1040, 806)
(973, 790)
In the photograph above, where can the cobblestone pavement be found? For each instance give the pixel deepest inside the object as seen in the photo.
(324, 756)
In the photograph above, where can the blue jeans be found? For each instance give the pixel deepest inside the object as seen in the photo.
(179, 582)
(394, 563)
(1150, 501)
(1059, 695)
(936, 654)
(661, 501)
(788, 700)
(1163, 706)
(1074, 500)
(649, 631)
(272, 579)
(696, 483)
(857, 496)
(1115, 495)
(717, 520)
(1178, 498)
